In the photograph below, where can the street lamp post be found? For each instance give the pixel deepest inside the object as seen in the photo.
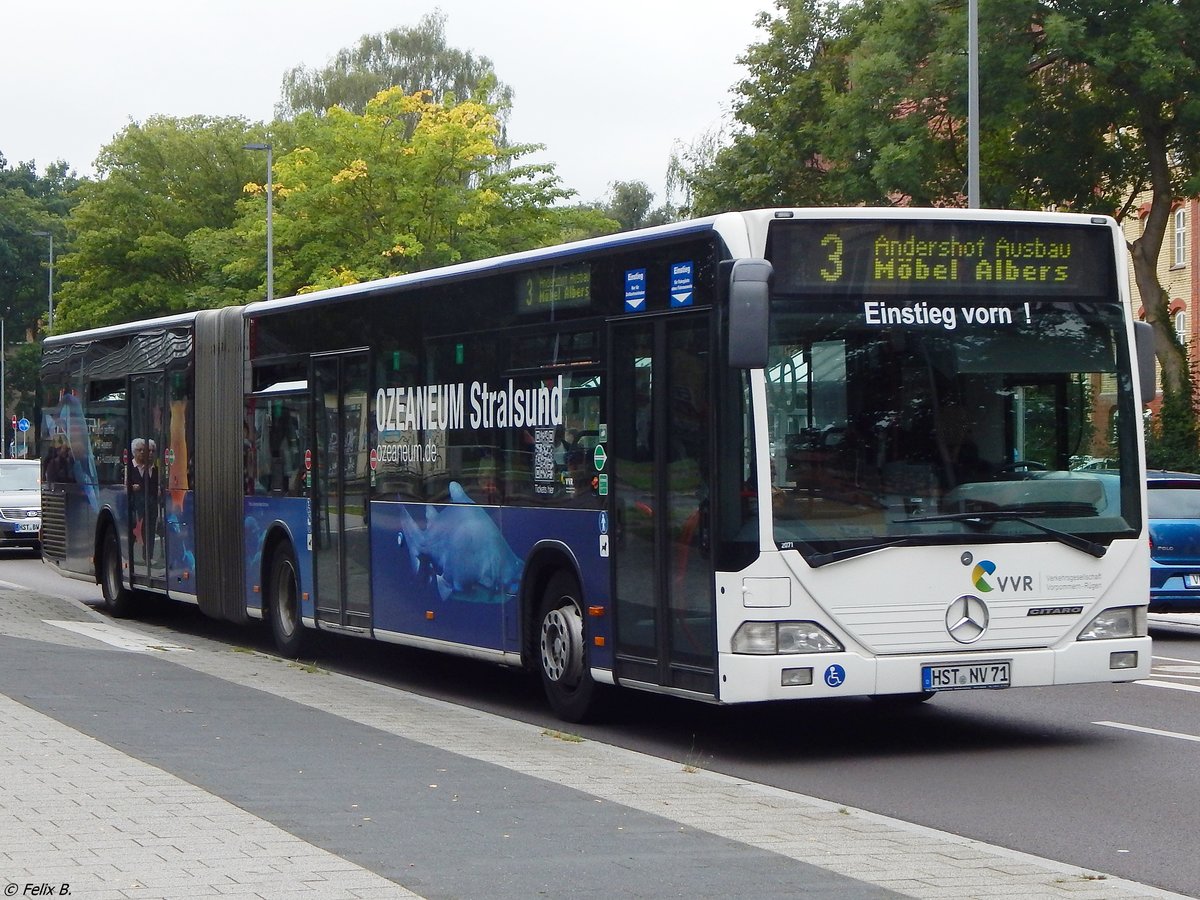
(50, 294)
(3, 368)
(973, 104)
(270, 242)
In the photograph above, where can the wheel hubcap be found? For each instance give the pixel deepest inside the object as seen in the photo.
(562, 645)
(112, 577)
(285, 602)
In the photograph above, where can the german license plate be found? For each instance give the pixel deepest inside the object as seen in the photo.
(25, 527)
(1192, 581)
(966, 676)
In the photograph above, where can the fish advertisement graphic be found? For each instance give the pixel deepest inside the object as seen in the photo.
(461, 551)
(453, 571)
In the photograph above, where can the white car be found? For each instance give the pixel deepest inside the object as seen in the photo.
(21, 503)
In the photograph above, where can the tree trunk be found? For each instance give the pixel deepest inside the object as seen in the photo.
(1176, 428)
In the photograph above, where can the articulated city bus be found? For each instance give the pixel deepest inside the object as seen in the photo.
(770, 455)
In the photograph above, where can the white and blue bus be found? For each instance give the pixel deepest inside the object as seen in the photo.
(769, 455)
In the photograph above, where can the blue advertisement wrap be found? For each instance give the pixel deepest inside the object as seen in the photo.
(453, 571)
(180, 538)
(292, 514)
(70, 423)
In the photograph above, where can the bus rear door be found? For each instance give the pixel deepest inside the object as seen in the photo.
(147, 418)
(341, 480)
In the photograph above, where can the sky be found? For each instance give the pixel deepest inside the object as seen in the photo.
(609, 87)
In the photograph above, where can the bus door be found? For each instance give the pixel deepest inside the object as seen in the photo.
(143, 478)
(340, 482)
(660, 440)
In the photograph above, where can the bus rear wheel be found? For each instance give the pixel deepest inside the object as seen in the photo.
(562, 657)
(283, 595)
(118, 599)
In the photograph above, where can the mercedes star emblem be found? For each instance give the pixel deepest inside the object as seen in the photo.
(967, 619)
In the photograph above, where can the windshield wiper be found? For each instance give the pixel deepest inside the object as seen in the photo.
(817, 560)
(984, 520)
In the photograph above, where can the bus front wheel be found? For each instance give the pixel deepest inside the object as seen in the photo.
(118, 599)
(561, 651)
(284, 597)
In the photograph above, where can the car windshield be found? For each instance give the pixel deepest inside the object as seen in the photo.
(18, 477)
(929, 433)
(1174, 502)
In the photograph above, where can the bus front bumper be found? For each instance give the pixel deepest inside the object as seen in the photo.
(748, 678)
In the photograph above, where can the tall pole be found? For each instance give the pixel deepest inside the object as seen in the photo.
(3, 367)
(973, 104)
(270, 205)
(270, 238)
(50, 291)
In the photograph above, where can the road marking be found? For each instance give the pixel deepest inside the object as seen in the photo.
(1193, 662)
(121, 638)
(1142, 730)
(11, 586)
(1167, 684)
(1193, 669)
(1175, 620)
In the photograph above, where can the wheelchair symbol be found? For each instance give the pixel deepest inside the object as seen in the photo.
(834, 676)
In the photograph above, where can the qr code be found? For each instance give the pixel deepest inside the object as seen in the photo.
(543, 454)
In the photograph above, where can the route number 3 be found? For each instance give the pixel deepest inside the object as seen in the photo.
(833, 243)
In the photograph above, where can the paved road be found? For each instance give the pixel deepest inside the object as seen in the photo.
(139, 766)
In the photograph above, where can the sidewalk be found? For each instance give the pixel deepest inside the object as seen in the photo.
(315, 784)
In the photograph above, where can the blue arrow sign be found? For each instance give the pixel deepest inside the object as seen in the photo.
(682, 283)
(635, 290)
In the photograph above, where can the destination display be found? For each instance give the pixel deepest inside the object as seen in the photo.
(931, 257)
(558, 287)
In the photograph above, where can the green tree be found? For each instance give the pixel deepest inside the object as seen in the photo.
(780, 111)
(366, 196)
(1084, 104)
(630, 205)
(159, 183)
(29, 203)
(413, 59)
(1143, 78)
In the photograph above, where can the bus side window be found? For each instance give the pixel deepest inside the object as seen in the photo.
(279, 444)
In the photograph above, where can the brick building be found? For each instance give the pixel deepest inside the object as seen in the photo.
(1178, 271)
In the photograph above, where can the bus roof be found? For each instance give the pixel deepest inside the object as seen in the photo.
(739, 230)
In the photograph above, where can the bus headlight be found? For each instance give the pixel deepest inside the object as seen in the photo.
(769, 638)
(1123, 622)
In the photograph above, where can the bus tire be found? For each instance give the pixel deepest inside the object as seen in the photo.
(561, 651)
(283, 598)
(119, 600)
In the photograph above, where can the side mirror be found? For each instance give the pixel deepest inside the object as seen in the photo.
(749, 313)
(1143, 336)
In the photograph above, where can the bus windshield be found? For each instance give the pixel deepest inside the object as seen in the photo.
(923, 433)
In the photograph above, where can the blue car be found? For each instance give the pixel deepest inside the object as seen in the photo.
(1174, 506)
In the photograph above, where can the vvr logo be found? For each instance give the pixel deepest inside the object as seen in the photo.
(983, 568)
(984, 574)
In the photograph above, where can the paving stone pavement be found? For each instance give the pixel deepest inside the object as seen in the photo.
(79, 813)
